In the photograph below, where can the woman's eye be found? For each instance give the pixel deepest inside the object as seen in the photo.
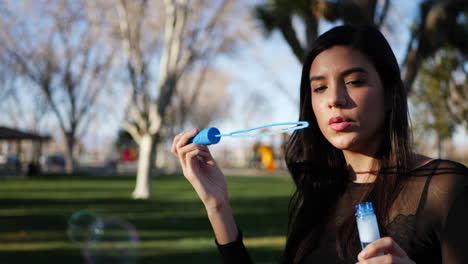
(356, 82)
(320, 89)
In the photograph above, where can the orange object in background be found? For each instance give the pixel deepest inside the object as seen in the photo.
(267, 158)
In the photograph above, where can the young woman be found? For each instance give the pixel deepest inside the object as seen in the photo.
(356, 149)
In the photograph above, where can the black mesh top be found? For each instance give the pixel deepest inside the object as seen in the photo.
(429, 219)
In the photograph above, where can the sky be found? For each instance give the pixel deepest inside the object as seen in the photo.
(266, 69)
(265, 80)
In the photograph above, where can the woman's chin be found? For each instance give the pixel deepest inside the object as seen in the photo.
(343, 144)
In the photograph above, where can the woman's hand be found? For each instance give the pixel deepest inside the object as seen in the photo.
(201, 170)
(393, 253)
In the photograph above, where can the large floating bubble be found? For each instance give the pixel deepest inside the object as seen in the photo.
(79, 225)
(112, 241)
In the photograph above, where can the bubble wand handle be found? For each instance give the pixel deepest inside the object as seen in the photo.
(207, 136)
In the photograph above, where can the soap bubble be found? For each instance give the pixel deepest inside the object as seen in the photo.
(79, 225)
(112, 240)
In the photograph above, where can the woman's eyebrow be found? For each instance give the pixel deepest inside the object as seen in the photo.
(316, 78)
(353, 70)
(344, 74)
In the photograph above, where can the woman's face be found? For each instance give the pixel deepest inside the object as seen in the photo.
(347, 99)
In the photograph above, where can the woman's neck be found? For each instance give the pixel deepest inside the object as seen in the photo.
(362, 167)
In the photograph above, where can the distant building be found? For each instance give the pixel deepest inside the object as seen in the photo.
(20, 151)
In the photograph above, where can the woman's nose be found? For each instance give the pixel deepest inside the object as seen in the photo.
(337, 95)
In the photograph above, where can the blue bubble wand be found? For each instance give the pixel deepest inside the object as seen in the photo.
(212, 135)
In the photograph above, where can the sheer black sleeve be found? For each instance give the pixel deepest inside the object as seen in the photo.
(455, 232)
(234, 252)
(447, 201)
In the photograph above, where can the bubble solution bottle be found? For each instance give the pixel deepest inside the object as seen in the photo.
(367, 223)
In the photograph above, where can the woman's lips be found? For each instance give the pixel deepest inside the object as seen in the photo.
(339, 123)
(340, 126)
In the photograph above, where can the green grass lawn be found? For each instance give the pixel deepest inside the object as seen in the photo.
(172, 226)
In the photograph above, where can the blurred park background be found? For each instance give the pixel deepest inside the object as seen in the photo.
(92, 93)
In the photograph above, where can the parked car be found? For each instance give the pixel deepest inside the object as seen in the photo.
(53, 162)
(10, 162)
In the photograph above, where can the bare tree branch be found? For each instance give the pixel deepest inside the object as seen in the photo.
(63, 61)
(130, 128)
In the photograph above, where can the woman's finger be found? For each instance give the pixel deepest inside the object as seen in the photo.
(381, 246)
(174, 143)
(191, 159)
(184, 138)
(204, 149)
(387, 259)
(194, 154)
(194, 149)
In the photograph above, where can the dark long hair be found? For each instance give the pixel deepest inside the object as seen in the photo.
(319, 169)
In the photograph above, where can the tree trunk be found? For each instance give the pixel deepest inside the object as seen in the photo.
(143, 184)
(413, 64)
(439, 146)
(69, 160)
